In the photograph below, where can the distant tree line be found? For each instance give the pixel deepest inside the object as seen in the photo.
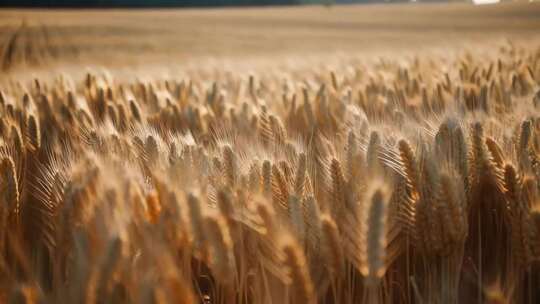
(163, 3)
(142, 3)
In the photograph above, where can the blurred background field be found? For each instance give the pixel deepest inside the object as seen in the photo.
(121, 37)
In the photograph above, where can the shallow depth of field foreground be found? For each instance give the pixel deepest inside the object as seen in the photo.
(329, 160)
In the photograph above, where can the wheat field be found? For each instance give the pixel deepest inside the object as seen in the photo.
(351, 154)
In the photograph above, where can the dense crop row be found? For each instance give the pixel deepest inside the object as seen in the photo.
(391, 182)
